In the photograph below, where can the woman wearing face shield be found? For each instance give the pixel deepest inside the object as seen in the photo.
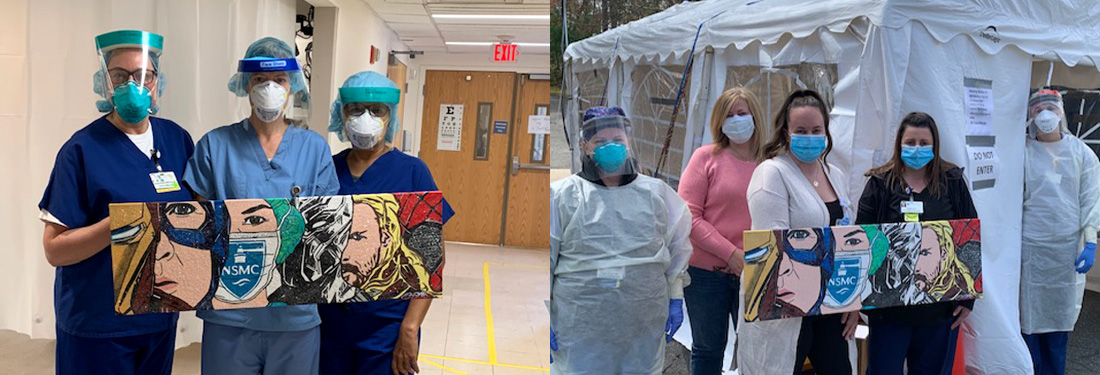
(262, 156)
(796, 188)
(1060, 220)
(619, 250)
(124, 156)
(374, 337)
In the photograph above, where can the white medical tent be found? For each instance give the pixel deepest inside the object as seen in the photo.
(874, 61)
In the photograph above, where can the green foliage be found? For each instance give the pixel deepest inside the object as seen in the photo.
(591, 17)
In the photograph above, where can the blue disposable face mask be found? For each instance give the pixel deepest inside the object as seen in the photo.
(808, 147)
(916, 157)
(132, 102)
(610, 156)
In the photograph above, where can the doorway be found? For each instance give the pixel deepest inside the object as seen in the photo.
(475, 139)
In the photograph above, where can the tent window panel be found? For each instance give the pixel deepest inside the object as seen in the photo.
(591, 89)
(654, 97)
(772, 86)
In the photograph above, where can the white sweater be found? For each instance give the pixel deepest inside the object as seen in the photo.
(780, 197)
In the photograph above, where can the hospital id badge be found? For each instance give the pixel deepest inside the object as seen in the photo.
(165, 182)
(912, 210)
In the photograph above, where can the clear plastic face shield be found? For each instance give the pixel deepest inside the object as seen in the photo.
(367, 114)
(275, 87)
(606, 145)
(128, 77)
(1046, 113)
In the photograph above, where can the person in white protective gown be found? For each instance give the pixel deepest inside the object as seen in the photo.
(619, 249)
(1060, 220)
(796, 188)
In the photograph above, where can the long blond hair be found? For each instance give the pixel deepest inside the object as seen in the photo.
(399, 271)
(721, 110)
(954, 279)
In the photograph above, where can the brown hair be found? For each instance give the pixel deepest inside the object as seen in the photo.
(935, 171)
(721, 110)
(781, 139)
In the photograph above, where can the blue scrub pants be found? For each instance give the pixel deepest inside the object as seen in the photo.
(241, 351)
(1048, 352)
(150, 353)
(712, 303)
(359, 338)
(924, 349)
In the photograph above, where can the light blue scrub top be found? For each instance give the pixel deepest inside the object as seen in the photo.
(229, 163)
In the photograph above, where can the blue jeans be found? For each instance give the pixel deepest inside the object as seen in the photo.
(925, 350)
(1048, 352)
(711, 304)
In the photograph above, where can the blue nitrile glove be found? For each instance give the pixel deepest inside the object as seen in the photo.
(1087, 258)
(553, 340)
(675, 318)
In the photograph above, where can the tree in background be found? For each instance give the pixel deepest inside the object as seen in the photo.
(590, 17)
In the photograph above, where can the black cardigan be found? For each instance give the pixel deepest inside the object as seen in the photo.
(882, 204)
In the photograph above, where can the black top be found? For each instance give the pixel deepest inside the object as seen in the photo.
(882, 204)
(835, 211)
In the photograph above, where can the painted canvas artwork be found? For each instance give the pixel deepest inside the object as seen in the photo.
(231, 254)
(806, 272)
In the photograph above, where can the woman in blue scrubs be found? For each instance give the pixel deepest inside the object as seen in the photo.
(262, 156)
(124, 156)
(378, 337)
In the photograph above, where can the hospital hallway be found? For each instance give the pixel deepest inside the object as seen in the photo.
(491, 320)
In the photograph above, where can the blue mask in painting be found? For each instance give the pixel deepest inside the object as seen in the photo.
(916, 157)
(610, 156)
(808, 147)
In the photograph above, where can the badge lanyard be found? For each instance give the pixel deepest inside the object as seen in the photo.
(911, 209)
(163, 182)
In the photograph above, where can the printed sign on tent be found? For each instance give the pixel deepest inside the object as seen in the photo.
(979, 106)
(983, 164)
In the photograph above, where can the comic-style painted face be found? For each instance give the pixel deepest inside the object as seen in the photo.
(798, 273)
(761, 254)
(850, 263)
(253, 242)
(365, 242)
(181, 251)
(131, 235)
(928, 260)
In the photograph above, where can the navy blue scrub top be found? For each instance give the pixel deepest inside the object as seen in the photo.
(393, 172)
(99, 165)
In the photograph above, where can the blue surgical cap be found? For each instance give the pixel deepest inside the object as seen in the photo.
(270, 48)
(364, 79)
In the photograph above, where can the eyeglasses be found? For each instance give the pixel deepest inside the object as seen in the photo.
(120, 76)
(376, 109)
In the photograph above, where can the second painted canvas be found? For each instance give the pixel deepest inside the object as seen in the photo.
(805, 272)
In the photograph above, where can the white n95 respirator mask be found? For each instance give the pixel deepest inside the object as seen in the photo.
(364, 131)
(268, 100)
(1047, 121)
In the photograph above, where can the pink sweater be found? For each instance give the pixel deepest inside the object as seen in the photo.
(714, 187)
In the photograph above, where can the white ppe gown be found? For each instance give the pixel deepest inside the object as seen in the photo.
(1061, 204)
(617, 256)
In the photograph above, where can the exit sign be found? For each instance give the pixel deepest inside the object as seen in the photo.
(505, 52)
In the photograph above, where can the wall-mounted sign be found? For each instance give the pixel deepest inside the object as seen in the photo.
(505, 52)
(450, 128)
